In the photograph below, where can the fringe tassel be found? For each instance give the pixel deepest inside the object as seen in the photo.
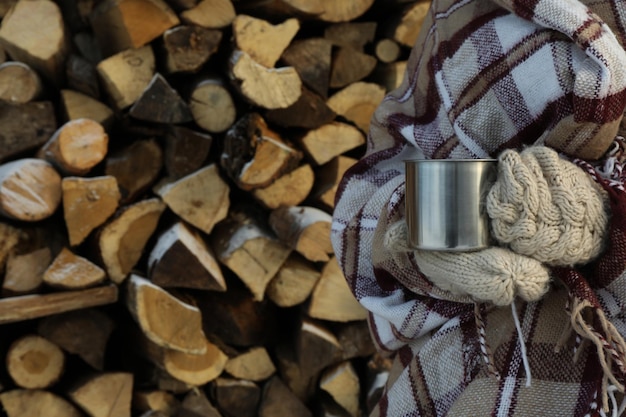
(484, 347)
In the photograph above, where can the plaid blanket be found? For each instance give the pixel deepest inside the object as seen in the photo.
(484, 76)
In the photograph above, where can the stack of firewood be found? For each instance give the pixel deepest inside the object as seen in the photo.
(167, 177)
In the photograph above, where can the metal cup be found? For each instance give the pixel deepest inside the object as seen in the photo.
(445, 203)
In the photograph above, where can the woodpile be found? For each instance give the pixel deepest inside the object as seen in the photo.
(167, 179)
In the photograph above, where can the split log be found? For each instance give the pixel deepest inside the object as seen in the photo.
(290, 189)
(180, 258)
(277, 400)
(316, 348)
(70, 271)
(327, 178)
(253, 365)
(327, 407)
(324, 10)
(309, 112)
(200, 198)
(188, 48)
(387, 50)
(236, 397)
(160, 103)
(268, 88)
(34, 362)
(186, 151)
(28, 307)
(406, 29)
(196, 404)
(164, 319)
(36, 403)
(305, 229)
(349, 66)
(311, 58)
(24, 272)
(122, 240)
(331, 140)
(302, 385)
(104, 395)
(126, 24)
(30, 189)
(19, 83)
(166, 382)
(351, 34)
(261, 40)
(44, 49)
(126, 75)
(25, 127)
(355, 339)
(87, 204)
(335, 11)
(294, 282)
(212, 14)
(87, 46)
(84, 333)
(76, 147)
(342, 383)
(389, 76)
(212, 106)
(82, 76)
(10, 237)
(332, 299)
(156, 401)
(357, 102)
(77, 105)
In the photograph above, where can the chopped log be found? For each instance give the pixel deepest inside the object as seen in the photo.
(212, 106)
(19, 83)
(36, 403)
(88, 47)
(331, 140)
(261, 40)
(82, 76)
(164, 319)
(277, 401)
(253, 365)
(342, 383)
(390, 76)
(70, 271)
(160, 103)
(211, 14)
(28, 307)
(24, 272)
(44, 49)
(302, 385)
(236, 397)
(332, 299)
(351, 34)
(80, 106)
(122, 240)
(25, 127)
(335, 11)
(126, 75)
(288, 190)
(105, 394)
(268, 88)
(387, 50)
(84, 333)
(405, 29)
(305, 229)
(180, 258)
(188, 48)
(166, 382)
(76, 147)
(294, 282)
(254, 155)
(309, 111)
(10, 237)
(304, 9)
(87, 204)
(355, 339)
(34, 362)
(316, 348)
(30, 189)
(156, 401)
(196, 404)
(327, 178)
(126, 24)
(186, 151)
(311, 58)
(328, 407)
(357, 102)
(349, 66)
(200, 198)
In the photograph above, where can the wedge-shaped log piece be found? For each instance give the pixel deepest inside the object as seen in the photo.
(180, 258)
(70, 271)
(105, 394)
(25, 127)
(342, 383)
(278, 400)
(316, 347)
(36, 403)
(305, 229)
(10, 237)
(237, 397)
(349, 66)
(196, 404)
(160, 103)
(212, 14)
(185, 151)
(327, 178)
(24, 272)
(351, 34)
(357, 102)
(122, 240)
(189, 47)
(331, 140)
(82, 76)
(200, 198)
(309, 112)
(212, 105)
(408, 26)
(294, 282)
(80, 106)
(34, 362)
(156, 401)
(254, 365)
(311, 58)
(19, 83)
(164, 319)
(355, 339)
(290, 189)
(389, 76)
(263, 41)
(335, 11)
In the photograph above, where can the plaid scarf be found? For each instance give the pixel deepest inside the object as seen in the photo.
(486, 76)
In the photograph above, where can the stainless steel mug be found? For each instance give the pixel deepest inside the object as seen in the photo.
(445, 203)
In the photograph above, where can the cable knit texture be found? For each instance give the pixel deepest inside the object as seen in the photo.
(547, 208)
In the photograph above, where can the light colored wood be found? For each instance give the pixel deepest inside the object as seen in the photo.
(290, 189)
(239, 397)
(308, 112)
(77, 146)
(278, 401)
(189, 47)
(294, 282)
(269, 88)
(28, 307)
(126, 75)
(180, 258)
(253, 365)
(87, 204)
(200, 198)
(311, 57)
(263, 41)
(387, 50)
(156, 400)
(83, 332)
(196, 404)
(305, 229)
(36, 403)
(25, 127)
(19, 83)
(30, 189)
(122, 240)
(332, 299)
(70, 271)
(344, 11)
(357, 102)
(327, 178)
(160, 103)
(212, 105)
(186, 150)
(34, 362)
(104, 395)
(44, 49)
(212, 14)
(80, 106)
(331, 140)
(164, 319)
(24, 272)
(408, 28)
(355, 35)
(126, 24)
